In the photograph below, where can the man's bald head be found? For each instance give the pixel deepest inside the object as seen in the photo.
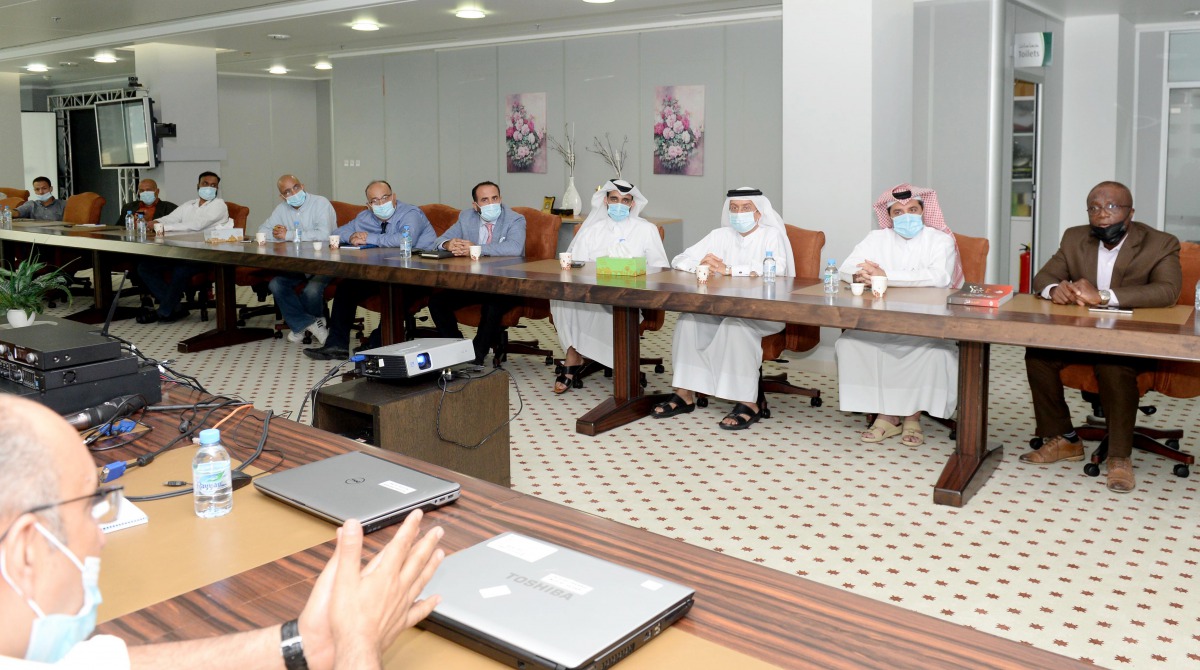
(37, 449)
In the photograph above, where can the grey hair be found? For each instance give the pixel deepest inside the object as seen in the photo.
(30, 476)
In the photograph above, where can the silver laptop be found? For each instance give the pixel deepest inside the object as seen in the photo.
(532, 604)
(360, 486)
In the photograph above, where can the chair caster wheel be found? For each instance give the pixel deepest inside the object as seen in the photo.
(659, 369)
(701, 402)
(277, 335)
(642, 383)
(1035, 443)
(608, 373)
(1091, 470)
(549, 360)
(1181, 470)
(816, 401)
(953, 435)
(1174, 444)
(766, 413)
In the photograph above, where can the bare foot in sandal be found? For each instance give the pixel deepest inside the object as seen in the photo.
(572, 362)
(883, 428)
(912, 435)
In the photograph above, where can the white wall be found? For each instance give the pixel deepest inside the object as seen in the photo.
(12, 172)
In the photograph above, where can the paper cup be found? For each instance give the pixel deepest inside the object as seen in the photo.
(335, 241)
(878, 286)
(702, 273)
(261, 238)
(317, 246)
(476, 251)
(857, 288)
(158, 229)
(564, 260)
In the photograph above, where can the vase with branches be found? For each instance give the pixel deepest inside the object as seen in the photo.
(606, 150)
(23, 289)
(566, 149)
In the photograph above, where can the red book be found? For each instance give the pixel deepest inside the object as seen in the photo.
(981, 295)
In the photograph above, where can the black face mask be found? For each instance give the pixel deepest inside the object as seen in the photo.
(1110, 235)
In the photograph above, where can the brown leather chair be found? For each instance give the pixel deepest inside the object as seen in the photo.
(1171, 378)
(973, 253)
(84, 208)
(21, 193)
(441, 217)
(345, 211)
(12, 202)
(806, 253)
(541, 243)
(200, 288)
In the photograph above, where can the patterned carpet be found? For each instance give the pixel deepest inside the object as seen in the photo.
(1044, 555)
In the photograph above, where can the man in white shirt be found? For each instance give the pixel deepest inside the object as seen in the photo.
(312, 217)
(722, 356)
(585, 330)
(206, 211)
(50, 542)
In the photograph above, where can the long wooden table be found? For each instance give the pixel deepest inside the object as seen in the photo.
(790, 299)
(743, 610)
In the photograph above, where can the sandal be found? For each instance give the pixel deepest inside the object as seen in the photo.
(672, 406)
(567, 379)
(742, 416)
(912, 435)
(879, 431)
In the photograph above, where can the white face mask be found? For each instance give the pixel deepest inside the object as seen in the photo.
(743, 222)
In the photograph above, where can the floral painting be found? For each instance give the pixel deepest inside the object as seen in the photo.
(525, 132)
(679, 130)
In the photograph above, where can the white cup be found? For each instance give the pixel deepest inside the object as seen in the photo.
(335, 241)
(857, 287)
(702, 272)
(476, 251)
(564, 260)
(261, 238)
(878, 285)
(158, 229)
(317, 246)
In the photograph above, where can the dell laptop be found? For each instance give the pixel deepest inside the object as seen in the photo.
(360, 486)
(531, 604)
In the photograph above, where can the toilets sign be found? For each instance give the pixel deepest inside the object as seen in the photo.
(1032, 49)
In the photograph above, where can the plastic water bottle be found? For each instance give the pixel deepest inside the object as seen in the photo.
(212, 481)
(141, 226)
(405, 242)
(296, 233)
(832, 282)
(129, 222)
(7, 218)
(769, 267)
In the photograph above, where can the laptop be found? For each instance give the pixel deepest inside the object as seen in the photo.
(356, 485)
(531, 604)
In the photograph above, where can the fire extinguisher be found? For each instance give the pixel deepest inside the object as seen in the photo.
(1026, 268)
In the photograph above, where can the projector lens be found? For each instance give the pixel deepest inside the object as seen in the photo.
(422, 361)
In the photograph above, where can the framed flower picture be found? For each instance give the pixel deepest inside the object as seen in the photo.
(678, 136)
(525, 132)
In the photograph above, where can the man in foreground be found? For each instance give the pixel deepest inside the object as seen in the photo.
(50, 548)
(1113, 261)
(42, 204)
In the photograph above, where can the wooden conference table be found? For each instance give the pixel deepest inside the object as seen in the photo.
(746, 616)
(904, 312)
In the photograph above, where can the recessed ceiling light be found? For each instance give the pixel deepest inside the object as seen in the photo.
(278, 69)
(279, 36)
(365, 25)
(598, 2)
(37, 67)
(323, 65)
(470, 13)
(1192, 13)
(105, 58)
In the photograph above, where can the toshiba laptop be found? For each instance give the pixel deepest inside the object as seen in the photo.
(532, 604)
(360, 486)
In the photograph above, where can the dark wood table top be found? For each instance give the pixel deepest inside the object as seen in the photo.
(763, 613)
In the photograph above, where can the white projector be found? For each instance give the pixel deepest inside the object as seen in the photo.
(411, 359)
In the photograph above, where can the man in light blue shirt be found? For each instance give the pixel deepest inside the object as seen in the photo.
(501, 232)
(313, 217)
(383, 225)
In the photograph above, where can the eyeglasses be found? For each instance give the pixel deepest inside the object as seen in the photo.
(380, 200)
(1110, 208)
(105, 502)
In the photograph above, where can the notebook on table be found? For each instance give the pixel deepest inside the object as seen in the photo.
(532, 604)
(356, 485)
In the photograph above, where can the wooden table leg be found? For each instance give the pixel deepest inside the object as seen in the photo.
(627, 402)
(391, 314)
(972, 461)
(226, 333)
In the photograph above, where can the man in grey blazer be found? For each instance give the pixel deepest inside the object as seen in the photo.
(1114, 261)
(490, 224)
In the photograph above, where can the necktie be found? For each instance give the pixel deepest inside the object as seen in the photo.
(490, 226)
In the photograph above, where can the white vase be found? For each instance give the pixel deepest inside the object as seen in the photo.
(19, 318)
(571, 199)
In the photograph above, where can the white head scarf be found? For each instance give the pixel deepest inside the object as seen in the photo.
(769, 219)
(599, 210)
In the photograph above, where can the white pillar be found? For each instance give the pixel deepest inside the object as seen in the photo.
(12, 168)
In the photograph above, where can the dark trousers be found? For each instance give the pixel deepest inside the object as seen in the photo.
(167, 293)
(492, 308)
(1117, 377)
(350, 294)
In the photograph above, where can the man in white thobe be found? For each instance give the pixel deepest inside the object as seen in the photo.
(585, 330)
(899, 376)
(718, 355)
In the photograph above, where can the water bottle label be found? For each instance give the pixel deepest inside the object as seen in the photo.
(211, 478)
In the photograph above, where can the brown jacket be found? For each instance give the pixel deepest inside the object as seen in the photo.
(1146, 274)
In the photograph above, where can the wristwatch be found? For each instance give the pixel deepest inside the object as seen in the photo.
(1105, 296)
(292, 647)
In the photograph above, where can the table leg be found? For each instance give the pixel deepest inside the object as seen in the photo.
(102, 294)
(627, 402)
(391, 314)
(226, 333)
(972, 461)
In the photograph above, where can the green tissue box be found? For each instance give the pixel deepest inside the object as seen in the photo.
(624, 267)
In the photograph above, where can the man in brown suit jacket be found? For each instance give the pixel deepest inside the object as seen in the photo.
(1113, 261)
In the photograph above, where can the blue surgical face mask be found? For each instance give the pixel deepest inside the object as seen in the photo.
(41, 197)
(296, 199)
(908, 225)
(207, 193)
(148, 197)
(490, 212)
(743, 222)
(618, 212)
(52, 636)
(384, 211)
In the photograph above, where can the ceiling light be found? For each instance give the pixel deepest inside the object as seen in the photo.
(323, 65)
(598, 2)
(470, 13)
(278, 69)
(279, 36)
(37, 67)
(105, 58)
(365, 25)
(1192, 13)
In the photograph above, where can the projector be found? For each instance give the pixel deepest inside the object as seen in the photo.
(411, 359)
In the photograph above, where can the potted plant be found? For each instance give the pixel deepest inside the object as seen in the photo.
(23, 289)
